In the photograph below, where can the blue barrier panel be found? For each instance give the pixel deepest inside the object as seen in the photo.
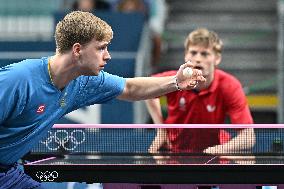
(5, 62)
(117, 112)
(121, 67)
(127, 28)
(27, 46)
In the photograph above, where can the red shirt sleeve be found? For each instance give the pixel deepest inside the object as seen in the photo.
(236, 104)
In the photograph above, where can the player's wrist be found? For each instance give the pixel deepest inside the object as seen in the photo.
(176, 84)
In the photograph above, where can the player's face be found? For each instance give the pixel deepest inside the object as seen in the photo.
(94, 57)
(204, 59)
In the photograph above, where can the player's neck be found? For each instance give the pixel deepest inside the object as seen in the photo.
(61, 70)
(206, 84)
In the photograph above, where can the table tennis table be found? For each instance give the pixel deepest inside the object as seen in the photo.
(163, 169)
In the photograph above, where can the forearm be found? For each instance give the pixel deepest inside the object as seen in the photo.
(154, 109)
(244, 141)
(141, 88)
(160, 140)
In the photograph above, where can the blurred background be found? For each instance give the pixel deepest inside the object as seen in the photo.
(148, 38)
(151, 40)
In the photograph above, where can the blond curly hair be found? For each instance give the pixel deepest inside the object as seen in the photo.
(206, 38)
(80, 27)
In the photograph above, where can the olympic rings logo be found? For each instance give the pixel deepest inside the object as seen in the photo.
(64, 139)
(47, 176)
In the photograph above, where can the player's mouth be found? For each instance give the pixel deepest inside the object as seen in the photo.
(102, 67)
(199, 68)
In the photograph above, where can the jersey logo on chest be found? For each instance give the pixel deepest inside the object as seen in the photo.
(210, 108)
(40, 109)
(182, 104)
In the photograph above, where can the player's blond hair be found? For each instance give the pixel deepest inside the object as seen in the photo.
(206, 38)
(80, 27)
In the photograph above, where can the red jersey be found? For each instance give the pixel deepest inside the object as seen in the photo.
(224, 97)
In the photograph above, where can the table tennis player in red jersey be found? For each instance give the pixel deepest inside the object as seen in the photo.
(209, 103)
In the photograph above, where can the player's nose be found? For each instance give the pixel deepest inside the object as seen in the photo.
(107, 56)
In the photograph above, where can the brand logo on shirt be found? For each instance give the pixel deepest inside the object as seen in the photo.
(40, 109)
(210, 108)
(182, 103)
(63, 100)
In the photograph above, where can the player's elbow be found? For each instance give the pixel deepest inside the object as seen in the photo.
(129, 94)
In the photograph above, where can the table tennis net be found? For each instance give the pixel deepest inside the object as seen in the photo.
(140, 141)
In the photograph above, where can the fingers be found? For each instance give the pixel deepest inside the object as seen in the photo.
(152, 150)
(189, 82)
(188, 64)
(193, 83)
(201, 78)
(196, 75)
(196, 72)
(196, 78)
(208, 150)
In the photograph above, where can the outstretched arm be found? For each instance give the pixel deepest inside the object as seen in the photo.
(142, 88)
(245, 140)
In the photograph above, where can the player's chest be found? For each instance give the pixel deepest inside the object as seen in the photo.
(43, 104)
(206, 104)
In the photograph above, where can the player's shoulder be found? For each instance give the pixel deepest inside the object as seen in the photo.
(103, 78)
(20, 71)
(226, 77)
(227, 80)
(165, 73)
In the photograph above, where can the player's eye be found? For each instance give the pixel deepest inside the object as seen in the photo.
(204, 54)
(193, 53)
(103, 48)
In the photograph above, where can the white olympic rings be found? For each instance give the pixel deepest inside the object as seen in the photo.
(64, 139)
(47, 176)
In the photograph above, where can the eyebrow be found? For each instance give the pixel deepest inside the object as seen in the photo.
(103, 45)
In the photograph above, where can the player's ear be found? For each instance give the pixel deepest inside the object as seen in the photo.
(186, 55)
(218, 59)
(76, 49)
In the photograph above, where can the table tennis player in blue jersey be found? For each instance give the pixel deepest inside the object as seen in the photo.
(35, 93)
